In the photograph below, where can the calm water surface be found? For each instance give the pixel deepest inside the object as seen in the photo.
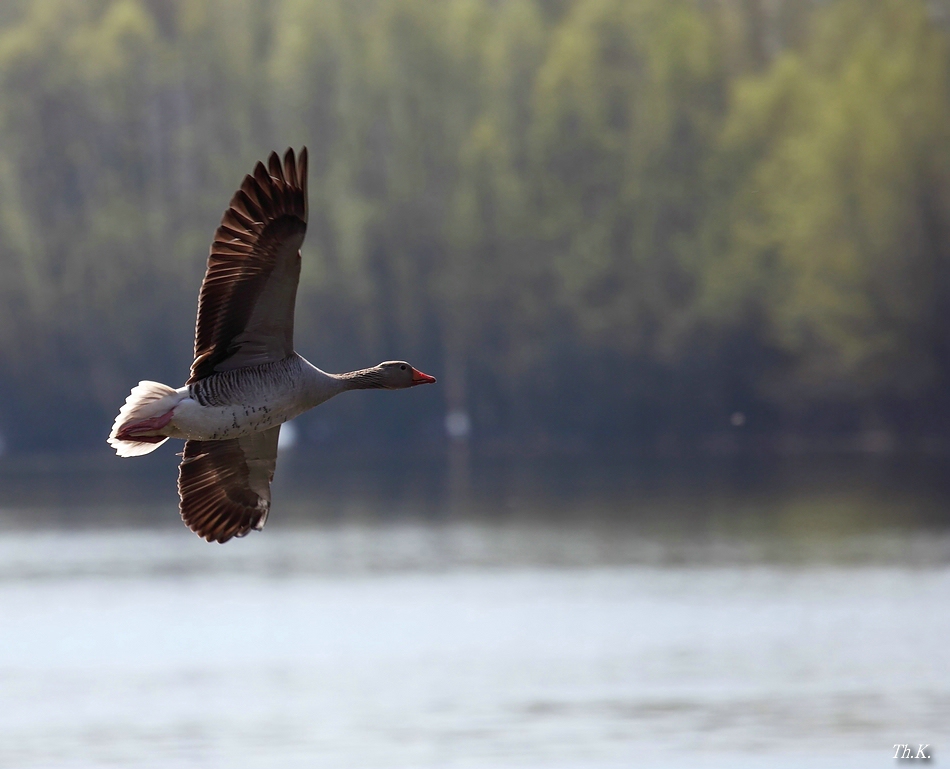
(709, 617)
(421, 645)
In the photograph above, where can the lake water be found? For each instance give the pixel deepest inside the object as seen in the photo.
(423, 641)
(403, 647)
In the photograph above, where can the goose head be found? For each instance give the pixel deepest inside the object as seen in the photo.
(397, 375)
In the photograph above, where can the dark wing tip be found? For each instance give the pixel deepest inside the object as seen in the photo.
(302, 176)
(275, 169)
(221, 520)
(262, 175)
(290, 167)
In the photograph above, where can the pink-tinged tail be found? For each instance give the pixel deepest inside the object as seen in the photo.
(146, 411)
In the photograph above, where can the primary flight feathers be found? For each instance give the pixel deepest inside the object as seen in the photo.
(246, 304)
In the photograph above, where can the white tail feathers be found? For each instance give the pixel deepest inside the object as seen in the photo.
(146, 401)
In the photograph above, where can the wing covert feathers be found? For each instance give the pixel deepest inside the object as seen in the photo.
(246, 303)
(224, 486)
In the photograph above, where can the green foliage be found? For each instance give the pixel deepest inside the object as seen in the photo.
(625, 108)
(590, 216)
(836, 165)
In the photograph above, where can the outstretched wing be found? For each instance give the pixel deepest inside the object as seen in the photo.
(225, 485)
(246, 304)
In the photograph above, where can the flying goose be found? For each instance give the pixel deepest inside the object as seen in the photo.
(246, 379)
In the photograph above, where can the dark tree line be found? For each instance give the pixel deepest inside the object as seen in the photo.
(599, 221)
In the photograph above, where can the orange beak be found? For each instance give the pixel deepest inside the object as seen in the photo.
(419, 378)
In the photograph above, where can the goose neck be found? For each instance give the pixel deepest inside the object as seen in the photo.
(363, 379)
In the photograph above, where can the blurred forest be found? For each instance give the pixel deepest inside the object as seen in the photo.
(650, 223)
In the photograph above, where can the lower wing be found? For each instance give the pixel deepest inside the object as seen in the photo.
(225, 485)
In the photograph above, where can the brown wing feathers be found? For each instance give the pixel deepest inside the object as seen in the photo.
(225, 485)
(245, 316)
(264, 224)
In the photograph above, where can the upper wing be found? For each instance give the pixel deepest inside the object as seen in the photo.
(225, 485)
(246, 304)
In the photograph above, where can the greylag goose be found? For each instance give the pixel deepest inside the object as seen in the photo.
(246, 379)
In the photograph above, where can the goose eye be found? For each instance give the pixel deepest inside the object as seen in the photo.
(403, 368)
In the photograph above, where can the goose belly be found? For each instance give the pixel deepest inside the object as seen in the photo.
(193, 421)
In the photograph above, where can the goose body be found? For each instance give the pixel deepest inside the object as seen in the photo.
(246, 379)
(248, 400)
